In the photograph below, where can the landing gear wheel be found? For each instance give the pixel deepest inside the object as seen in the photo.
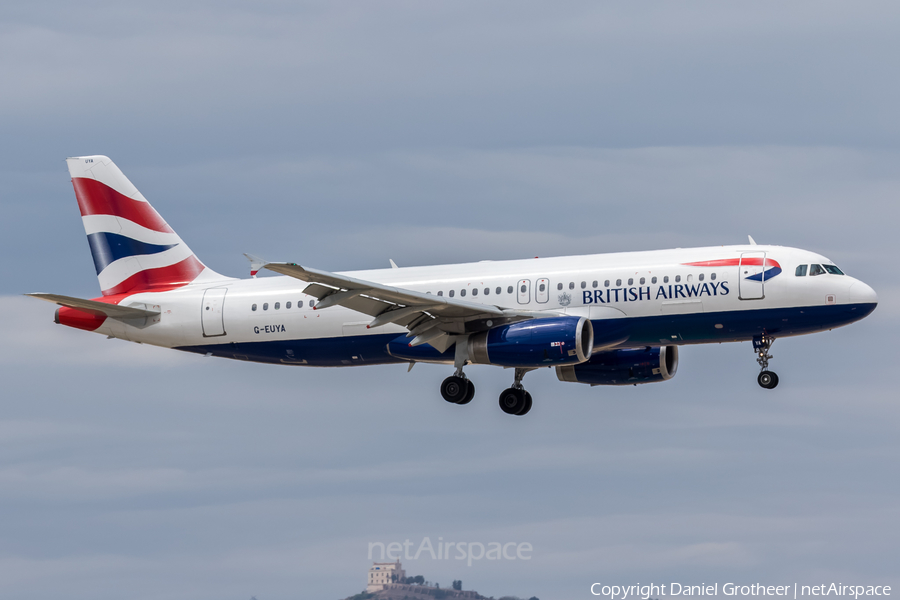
(767, 380)
(761, 344)
(527, 407)
(470, 392)
(455, 389)
(513, 401)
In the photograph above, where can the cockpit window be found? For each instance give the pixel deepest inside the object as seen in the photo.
(833, 270)
(801, 271)
(816, 270)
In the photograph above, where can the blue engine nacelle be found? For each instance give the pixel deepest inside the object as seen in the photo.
(534, 343)
(624, 367)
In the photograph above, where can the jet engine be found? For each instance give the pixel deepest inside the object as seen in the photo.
(534, 343)
(624, 367)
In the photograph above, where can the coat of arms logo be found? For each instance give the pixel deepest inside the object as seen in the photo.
(565, 299)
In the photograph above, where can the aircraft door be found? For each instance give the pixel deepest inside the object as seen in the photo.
(542, 293)
(751, 276)
(523, 291)
(212, 317)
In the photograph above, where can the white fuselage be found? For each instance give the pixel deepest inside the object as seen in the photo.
(661, 297)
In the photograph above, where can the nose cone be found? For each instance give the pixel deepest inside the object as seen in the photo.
(860, 293)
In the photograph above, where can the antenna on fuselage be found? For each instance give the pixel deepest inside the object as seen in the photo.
(752, 241)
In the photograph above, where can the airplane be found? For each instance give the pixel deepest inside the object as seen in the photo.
(604, 319)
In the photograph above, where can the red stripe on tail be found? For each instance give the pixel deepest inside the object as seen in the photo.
(95, 198)
(160, 279)
(79, 319)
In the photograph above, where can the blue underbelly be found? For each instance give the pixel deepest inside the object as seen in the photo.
(700, 328)
(341, 351)
(731, 326)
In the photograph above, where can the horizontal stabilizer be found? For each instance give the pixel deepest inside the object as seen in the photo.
(113, 311)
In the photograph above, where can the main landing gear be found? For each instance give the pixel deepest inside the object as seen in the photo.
(458, 389)
(515, 400)
(766, 379)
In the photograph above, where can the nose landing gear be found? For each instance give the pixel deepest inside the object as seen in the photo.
(515, 400)
(761, 344)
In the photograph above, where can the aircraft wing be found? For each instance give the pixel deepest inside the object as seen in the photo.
(426, 316)
(113, 311)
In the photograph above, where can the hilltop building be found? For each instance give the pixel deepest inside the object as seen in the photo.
(383, 574)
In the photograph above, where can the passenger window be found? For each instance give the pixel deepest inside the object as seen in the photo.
(498, 290)
(287, 304)
(653, 280)
(300, 304)
(451, 293)
(606, 283)
(583, 284)
(571, 285)
(542, 287)
(441, 293)
(509, 290)
(618, 283)
(277, 305)
(559, 286)
(595, 284)
(700, 277)
(265, 306)
(630, 281)
(666, 279)
(801, 271)
(487, 291)
(253, 307)
(712, 276)
(524, 288)
(462, 292)
(643, 280)
(833, 270)
(816, 270)
(690, 278)
(474, 291)
(677, 278)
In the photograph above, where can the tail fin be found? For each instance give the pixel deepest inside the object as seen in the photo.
(134, 249)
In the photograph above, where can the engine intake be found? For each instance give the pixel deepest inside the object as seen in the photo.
(534, 343)
(624, 367)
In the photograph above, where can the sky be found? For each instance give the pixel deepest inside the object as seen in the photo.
(344, 134)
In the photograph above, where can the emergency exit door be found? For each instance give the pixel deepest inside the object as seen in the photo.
(212, 317)
(523, 291)
(542, 291)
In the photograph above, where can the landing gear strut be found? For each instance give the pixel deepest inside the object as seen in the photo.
(515, 400)
(458, 389)
(761, 344)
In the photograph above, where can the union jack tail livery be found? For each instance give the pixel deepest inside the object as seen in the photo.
(134, 249)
